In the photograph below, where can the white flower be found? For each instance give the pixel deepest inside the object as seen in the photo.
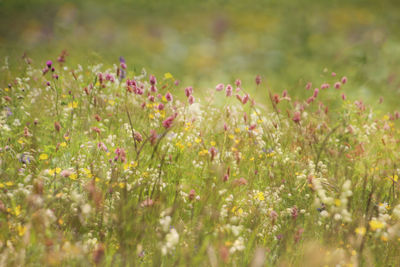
(171, 240)
(165, 222)
(324, 213)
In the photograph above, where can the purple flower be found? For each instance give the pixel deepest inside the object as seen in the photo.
(49, 63)
(169, 97)
(168, 122)
(152, 80)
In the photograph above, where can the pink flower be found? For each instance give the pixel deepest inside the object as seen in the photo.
(168, 122)
(97, 130)
(213, 152)
(245, 99)
(102, 146)
(337, 85)
(188, 91)
(153, 137)
(191, 99)
(219, 87)
(296, 117)
(344, 96)
(344, 80)
(228, 90)
(238, 83)
(273, 214)
(295, 212)
(325, 86)
(152, 80)
(147, 203)
(316, 91)
(310, 100)
(66, 173)
(308, 86)
(138, 137)
(258, 79)
(160, 106)
(168, 96)
(333, 74)
(240, 181)
(120, 154)
(192, 194)
(276, 98)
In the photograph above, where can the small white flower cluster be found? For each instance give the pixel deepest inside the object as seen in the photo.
(172, 236)
(341, 212)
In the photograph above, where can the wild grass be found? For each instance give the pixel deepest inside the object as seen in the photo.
(103, 166)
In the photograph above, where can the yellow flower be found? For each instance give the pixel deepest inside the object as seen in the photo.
(73, 104)
(88, 173)
(9, 183)
(53, 171)
(43, 156)
(213, 143)
(237, 130)
(111, 102)
(198, 140)
(63, 144)
(361, 230)
(259, 196)
(203, 152)
(130, 165)
(1, 185)
(73, 176)
(337, 202)
(168, 76)
(20, 141)
(21, 229)
(17, 210)
(375, 225)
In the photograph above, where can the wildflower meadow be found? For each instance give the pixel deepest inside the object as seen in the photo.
(104, 166)
(200, 133)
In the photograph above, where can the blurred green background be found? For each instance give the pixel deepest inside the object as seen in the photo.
(206, 42)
